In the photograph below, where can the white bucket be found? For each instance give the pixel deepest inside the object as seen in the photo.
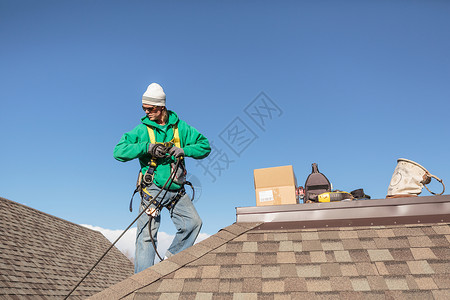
(408, 179)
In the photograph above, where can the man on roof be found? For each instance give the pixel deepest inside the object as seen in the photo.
(159, 142)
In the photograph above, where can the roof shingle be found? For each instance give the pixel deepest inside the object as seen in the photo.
(254, 261)
(42, 256)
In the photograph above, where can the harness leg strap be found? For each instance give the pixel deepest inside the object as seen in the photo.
(180, 194)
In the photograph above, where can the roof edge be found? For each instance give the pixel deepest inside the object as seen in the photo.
(175, 262)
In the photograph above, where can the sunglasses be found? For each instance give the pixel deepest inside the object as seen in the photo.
(150, 109)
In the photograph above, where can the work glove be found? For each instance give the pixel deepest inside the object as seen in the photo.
(177, 152)
(157, 150)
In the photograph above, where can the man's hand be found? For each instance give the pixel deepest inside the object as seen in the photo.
(177, 152)
(157, 150)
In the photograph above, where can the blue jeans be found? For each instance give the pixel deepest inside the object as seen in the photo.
(184, 217)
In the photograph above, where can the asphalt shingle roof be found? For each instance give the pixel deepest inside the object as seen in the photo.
(249, 261)
(43, 257)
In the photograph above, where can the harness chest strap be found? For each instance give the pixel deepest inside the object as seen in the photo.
(176, 136)
(175, 140)
(151, 135)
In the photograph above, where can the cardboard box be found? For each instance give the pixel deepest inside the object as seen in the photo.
(275, 186)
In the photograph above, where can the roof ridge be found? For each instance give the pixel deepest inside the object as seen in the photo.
(47, 214)
(175, 262)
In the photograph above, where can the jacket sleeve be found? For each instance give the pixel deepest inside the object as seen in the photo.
(196, 145)
(131, 146)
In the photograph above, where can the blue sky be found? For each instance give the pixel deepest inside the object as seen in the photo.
(353, 85)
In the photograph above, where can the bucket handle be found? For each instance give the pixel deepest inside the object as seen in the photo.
(427, 179)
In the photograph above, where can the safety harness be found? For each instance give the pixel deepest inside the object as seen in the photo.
(174, 142)
(145, 180)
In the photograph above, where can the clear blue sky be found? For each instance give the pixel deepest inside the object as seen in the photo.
(357, 85)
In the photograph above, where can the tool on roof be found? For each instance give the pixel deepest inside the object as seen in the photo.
(319, 189)
(334, 196)
(337, 195)
(316, 184)
(359, 194)
(409, 178)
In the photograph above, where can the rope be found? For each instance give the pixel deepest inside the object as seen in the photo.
(159, 206)
(112, 245)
